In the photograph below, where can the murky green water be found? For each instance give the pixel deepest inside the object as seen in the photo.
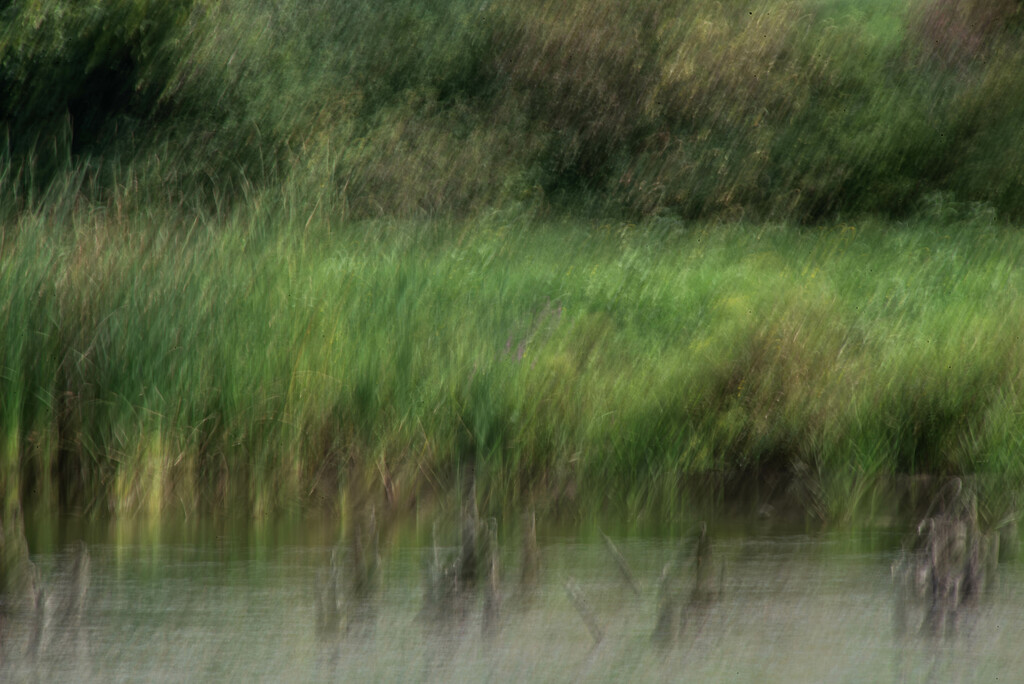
(235, 605)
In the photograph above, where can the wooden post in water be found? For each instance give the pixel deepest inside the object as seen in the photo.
(530, 575)
(442, 600)
(674, 610)
(492, 589)
(702, 563)
(579, 601)
(16, 575)
(362, 570)
(469, 560)
(952, 558)
(38, 615)
(21, 591)
(328, 599)
(432, 573)
(620, 562)
(71, 593)
(666, 626)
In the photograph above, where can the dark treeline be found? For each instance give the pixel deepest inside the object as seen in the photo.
(794, 110)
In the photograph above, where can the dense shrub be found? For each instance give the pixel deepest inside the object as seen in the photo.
(798, 110)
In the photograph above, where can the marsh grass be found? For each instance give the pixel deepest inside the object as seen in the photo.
(281, 249)
(637, 367)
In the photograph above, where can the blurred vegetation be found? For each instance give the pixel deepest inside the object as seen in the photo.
(578, 366)
(254, 250)
(796, 110)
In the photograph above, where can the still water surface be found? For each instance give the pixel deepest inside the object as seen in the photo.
(785, 608)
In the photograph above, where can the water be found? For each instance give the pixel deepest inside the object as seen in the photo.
(240, 607)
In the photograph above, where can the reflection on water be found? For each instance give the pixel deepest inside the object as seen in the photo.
(696, 607)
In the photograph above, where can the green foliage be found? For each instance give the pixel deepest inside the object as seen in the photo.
(197, 313)
(149, 369)
(793, 110)
(103, 65)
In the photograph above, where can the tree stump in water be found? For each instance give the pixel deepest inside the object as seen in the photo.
(946, 566)
(676, 610)
(22, 601)
(492, 589)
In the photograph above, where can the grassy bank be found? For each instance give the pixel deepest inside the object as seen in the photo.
(256, 252)
(156, 366)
